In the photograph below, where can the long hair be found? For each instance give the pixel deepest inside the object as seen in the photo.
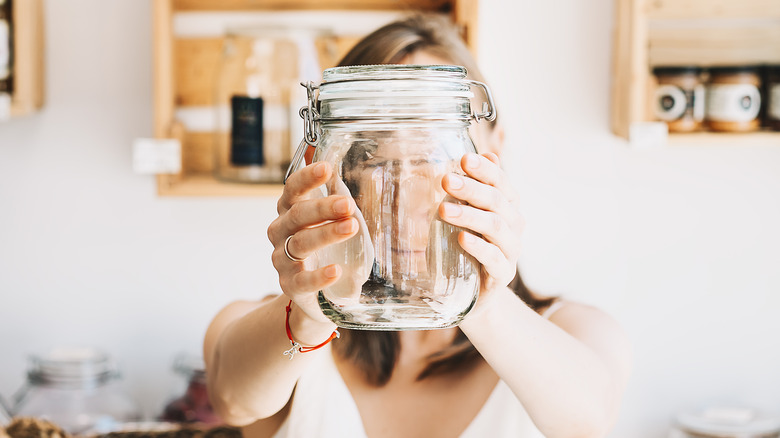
(376, 352)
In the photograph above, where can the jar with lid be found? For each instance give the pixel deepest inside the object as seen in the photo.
(257, 79)
(679, 97)
(772, 87)
(191, 403)
(734, 99)
(390, 134)
(725, 422)
(76, 388)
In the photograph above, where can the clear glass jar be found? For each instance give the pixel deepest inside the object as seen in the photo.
(259, 72)
(191, 404)
(734, 99)
(679, 97)
(391, 133)
(76, 388)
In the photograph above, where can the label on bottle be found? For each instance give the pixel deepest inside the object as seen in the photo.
(774, 102)
(246, 132)
(733, 102)
(673, 103)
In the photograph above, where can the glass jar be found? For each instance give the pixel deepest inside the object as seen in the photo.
(725, 423)
(679, 98)
(772, 86)
(391, 133)
(257, 81)
(734, 99)
(192, 402)
(77, 389)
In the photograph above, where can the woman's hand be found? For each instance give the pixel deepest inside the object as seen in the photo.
(491, 215)
(312, 224)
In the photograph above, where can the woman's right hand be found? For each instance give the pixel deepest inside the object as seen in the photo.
(312, 223)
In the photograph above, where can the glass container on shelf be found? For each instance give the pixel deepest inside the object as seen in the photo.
(191, 404)
(726, 422)
(76, 388)
(6, 58)
(259, 72)
(391, 133)
(772, 86)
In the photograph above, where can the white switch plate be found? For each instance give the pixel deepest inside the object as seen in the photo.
(154, 156)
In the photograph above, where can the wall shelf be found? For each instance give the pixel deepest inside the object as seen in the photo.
(184, 71)
(651, 33)
(27, 96)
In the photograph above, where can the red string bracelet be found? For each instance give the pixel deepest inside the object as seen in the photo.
(296, 347)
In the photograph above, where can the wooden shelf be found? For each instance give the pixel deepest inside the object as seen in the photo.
(651, 33)
(184, 73)
(28, 54)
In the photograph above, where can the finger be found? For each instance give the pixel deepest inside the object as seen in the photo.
(488, 172)
(308, 240)
(487, 223)
(306, 282)
(308, 213)
(300, 183)
(480, 195)
(489, 255)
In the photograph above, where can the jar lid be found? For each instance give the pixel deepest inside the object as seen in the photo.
(729, 421)
(75, 366)
(733, 69)
(394, 80)
(677, 70)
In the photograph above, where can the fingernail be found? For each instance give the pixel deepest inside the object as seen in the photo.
(346, 227)
(472, 161)
(456, 182)
(341, 206)
(332, 271)
(319, 170)
(451, 210)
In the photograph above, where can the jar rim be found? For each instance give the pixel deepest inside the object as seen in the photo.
(392, 71)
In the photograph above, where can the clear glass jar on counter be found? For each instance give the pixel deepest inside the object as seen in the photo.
(734, 99)
(679, 97)
(257, 82)
(76, 388)
(725, 423)
(391, 133)
(191, 404)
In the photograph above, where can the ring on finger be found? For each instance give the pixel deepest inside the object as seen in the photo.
(287, 251)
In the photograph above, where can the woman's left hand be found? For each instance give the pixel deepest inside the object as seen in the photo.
(491, 214)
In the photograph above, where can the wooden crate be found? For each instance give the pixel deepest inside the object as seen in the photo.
(28, 54)
(651, 33)
(184, 74)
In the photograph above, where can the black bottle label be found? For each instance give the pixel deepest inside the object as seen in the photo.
(246, 133)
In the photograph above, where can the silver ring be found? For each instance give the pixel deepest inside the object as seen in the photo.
(287, 251)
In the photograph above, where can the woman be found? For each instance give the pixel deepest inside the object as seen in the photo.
(518, 365)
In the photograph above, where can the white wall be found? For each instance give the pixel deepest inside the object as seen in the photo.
(681, 245)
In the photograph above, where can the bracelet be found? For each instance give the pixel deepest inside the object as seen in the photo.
(296, 347)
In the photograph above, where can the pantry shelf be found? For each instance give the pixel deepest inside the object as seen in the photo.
(651, 33)
(188, 36)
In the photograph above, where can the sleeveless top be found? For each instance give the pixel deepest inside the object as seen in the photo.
(323, 407)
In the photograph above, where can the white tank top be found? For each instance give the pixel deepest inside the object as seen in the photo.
(323, 407)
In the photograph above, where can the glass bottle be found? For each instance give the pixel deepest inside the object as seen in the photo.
(259, 70)
(77, 389)
(6, 59)
(192, 402)
(391, 133)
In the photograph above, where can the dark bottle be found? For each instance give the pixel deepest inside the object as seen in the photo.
(6, 46)
(193, 405)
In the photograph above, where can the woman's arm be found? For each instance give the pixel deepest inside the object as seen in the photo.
(569, 372)
(249, 378)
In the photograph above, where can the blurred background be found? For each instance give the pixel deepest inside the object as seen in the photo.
(679, 242)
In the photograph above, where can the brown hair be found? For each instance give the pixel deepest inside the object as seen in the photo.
(376, 352)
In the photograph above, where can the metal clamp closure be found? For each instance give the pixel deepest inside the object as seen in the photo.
(488, 108)
(310, 115)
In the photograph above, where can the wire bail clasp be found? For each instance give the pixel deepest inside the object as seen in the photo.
(488, 108)
(310, 117)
